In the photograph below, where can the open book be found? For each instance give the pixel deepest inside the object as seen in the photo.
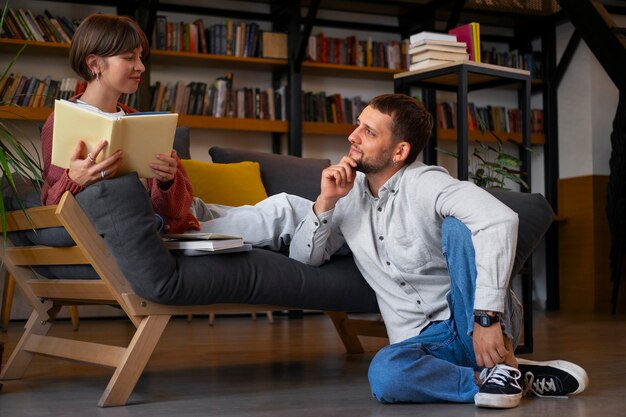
(140, 135)
(202, 241)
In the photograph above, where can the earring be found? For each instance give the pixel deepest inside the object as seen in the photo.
(97, 74)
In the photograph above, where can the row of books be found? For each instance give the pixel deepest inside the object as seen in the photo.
(219, 99)
(320, 107)
(530, 61)
(351, 51)
(20, 90)
(496, 118)
(24, 24)
(242, 39)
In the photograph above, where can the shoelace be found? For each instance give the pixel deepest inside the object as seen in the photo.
(541, 386)
(499, 375)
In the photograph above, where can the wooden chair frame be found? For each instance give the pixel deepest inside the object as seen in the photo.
(47, 296)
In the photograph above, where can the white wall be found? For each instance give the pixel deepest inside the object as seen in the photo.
(587, 101)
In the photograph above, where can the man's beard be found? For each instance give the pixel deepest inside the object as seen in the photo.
(375, 165)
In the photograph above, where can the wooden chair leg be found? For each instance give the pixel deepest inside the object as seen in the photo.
(270, 316)
(74, 317)
(350, 341)
(134, 361)
(211, 319)
(7, 301)
(20, 358)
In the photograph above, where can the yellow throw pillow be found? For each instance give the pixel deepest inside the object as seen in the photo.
(235, 184)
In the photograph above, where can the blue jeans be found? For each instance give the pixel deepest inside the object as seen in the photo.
(438, 364)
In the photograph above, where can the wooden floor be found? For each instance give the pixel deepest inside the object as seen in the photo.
(294, 368)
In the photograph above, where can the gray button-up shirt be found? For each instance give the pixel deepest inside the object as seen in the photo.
(395, 239)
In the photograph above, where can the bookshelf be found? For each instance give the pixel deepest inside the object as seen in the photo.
(463, 77)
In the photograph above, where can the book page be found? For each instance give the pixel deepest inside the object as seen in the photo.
(141, 136)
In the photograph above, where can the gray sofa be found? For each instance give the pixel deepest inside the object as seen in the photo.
(120, 210)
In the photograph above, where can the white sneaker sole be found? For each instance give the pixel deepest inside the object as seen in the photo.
(571, 368)
(497, 400)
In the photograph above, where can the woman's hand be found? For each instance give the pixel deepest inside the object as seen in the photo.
(86, 171)
(166, 168)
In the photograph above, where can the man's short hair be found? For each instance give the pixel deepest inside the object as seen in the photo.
(411, 122)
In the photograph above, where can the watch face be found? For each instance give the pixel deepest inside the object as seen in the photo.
(485, 321)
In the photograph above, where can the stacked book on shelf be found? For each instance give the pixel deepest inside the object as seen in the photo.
(320, 107)
(219, 99)
(23, 24)
(470, 35)
(489, 118)
(530, 61)
(351, 51)
(20, 90)
(240, 39)
(427, 49)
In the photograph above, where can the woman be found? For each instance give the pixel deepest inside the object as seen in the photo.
(107, 51)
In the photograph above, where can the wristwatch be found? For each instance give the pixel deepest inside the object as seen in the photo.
(484, 319)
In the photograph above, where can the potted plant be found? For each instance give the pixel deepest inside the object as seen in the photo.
(490, 166)
(17, 162)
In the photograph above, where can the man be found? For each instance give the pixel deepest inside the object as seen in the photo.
(439, 253)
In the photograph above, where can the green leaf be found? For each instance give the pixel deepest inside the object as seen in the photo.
(508, 160)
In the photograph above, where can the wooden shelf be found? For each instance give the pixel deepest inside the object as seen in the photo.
(352, 71)
(160, 57)
(201, 122)
(479, 75)
(487, 136)
(14, 45)
(319, 128)
(225, 61)
(229, 123)
(25, 113)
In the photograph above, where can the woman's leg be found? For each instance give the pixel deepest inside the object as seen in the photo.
(269, 223)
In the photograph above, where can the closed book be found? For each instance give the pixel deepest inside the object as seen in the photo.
(467, 33)
(274, 45)
(459, 48)
(202, 241)
(417, 37)
(428, 63)
(140, 135)
(444, 56)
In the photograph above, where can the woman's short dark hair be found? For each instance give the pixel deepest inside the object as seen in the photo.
(411, 122)
(105, 35)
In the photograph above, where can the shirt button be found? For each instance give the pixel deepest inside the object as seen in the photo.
(308, 245)
(419, 302)
(317, 224)
(380, 209)
(402, 284)
(388, 263)
(430, 316)
(324, 221)
(381, 238)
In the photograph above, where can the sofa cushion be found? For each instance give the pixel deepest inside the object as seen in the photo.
(535, 216)
(121, 212)
(181, 142)
(280, 173)
(234, 184)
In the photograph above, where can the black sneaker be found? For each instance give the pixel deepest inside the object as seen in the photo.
(553, 378)
(501, 387)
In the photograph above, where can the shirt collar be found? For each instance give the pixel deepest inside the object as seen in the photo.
(390, 187)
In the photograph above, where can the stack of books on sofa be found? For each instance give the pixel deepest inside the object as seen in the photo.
(427, 49)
